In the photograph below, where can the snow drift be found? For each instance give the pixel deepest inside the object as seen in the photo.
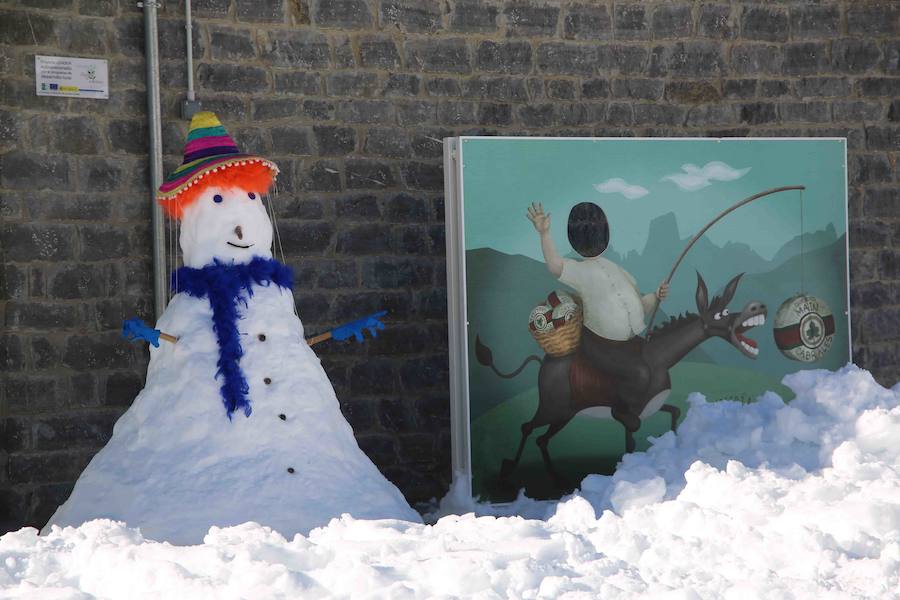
(762, 500)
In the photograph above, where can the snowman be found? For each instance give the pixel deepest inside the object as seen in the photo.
(238, 421)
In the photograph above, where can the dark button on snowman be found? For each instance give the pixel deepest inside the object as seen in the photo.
(196, 448)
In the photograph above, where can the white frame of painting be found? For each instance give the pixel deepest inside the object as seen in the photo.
(457, 320)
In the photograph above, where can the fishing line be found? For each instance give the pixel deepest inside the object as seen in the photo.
(168, 252)
(266, 200)
(275, 222)
(176, 244)
(276, 243)
(270, 205)
(804, 325)
(170, 259)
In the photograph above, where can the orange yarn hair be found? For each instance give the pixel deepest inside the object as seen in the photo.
(250, 177)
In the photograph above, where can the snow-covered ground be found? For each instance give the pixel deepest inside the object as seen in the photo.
(762, 500)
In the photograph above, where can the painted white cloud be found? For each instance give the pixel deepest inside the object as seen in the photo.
(694, 178)
(617, 185)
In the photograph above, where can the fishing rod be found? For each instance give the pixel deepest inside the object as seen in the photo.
(706, 228)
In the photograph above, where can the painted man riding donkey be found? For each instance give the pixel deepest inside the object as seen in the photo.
(614, 372)
(614, 308)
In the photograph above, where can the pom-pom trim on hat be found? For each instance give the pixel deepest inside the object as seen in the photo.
(249, 174)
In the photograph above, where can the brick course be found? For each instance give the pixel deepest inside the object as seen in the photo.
(351, 98)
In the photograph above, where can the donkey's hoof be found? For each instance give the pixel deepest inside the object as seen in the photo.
(630, 421)
(506, 468)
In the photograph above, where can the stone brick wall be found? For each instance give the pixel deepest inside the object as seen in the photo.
(352, 98)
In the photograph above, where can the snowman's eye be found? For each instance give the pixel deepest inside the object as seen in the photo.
(217, 198)
(251, 195)
(717, 316)
(725, 313)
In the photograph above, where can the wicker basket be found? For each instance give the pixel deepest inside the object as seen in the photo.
(562, 340)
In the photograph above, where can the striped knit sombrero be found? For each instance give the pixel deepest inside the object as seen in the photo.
(209, 148)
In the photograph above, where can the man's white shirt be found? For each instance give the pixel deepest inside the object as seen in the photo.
(613, 306)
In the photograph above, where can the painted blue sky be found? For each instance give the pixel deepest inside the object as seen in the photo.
(637, 180)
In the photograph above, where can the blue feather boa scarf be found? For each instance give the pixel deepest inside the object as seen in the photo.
(227, 286)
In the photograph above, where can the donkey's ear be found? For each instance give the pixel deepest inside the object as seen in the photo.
(728, 294)
(702, 294)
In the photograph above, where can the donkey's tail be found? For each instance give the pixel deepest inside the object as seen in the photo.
(486, 358)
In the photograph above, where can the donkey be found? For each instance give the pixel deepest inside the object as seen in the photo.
(569, 385)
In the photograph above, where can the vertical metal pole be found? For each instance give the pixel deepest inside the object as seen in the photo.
(189, 37)
(151, 51)
(460, 432)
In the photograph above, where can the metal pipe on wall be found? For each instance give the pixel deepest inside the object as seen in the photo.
(189, 36)
(151, 52)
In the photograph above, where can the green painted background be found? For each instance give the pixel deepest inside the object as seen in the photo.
(506, 275)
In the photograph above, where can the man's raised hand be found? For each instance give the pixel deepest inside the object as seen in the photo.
(537, 217)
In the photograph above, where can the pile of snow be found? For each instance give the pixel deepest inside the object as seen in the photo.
(764, 500)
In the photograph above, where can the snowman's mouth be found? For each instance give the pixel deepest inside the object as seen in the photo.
(238, 245)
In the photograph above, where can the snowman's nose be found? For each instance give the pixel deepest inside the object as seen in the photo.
(239, 233)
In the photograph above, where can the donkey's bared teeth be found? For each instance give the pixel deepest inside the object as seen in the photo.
(754, 321)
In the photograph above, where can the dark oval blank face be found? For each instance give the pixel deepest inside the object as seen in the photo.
(588, 229)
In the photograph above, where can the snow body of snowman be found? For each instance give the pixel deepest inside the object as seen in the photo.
(224, 434)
